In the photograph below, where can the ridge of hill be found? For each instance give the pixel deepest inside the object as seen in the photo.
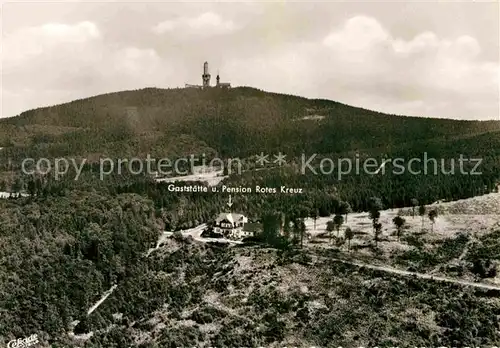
(242, 122)
(238, 122)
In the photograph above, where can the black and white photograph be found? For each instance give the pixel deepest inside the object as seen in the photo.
(236, 174)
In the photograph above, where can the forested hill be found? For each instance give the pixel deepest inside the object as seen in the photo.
(240, 122)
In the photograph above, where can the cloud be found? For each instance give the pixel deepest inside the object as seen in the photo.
(56, 63)
(357, 61)
(361, 63)
(435, 76)
(359, 33)
(33, 41)
(205, 24)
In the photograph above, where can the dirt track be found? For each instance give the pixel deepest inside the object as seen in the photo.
(415, 274)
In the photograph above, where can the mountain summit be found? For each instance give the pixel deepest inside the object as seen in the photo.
(241, 121)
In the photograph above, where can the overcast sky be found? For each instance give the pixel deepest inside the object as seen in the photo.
(412, 58)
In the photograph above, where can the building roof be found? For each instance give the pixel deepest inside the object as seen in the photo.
(231, 217)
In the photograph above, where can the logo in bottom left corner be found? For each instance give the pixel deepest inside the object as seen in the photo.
(23, 342)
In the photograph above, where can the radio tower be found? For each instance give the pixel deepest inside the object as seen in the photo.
(206, 76)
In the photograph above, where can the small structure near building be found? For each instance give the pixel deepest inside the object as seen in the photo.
(233, 226)
(205, 79)
(222, 84)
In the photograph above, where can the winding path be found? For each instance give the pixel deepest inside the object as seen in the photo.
(427, 276)
(196, 234)
(103, 298)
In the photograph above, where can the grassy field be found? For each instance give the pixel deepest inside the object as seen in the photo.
(458, 243)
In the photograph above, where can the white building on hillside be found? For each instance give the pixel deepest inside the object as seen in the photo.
(231, 225)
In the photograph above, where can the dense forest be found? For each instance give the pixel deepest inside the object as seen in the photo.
(242, 122)
(68, 240)
(60, 253)
(321, 195)
(239, 122)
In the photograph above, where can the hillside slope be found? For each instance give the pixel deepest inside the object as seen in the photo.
(236, 122)
(205, 296)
